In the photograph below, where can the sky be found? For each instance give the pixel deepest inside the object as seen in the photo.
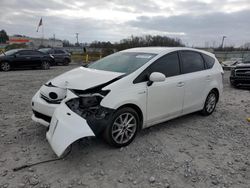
(196, 22)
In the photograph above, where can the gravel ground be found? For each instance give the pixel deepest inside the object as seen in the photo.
(191, 151)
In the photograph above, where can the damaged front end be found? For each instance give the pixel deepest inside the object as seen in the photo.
(79, 115)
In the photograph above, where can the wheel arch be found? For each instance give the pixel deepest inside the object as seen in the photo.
(217, 93)
(6, 61)
(67, 58)
(137, 109)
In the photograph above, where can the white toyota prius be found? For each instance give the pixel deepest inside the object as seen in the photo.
(125, 92)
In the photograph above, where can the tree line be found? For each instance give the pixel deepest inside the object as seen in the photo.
(139, 41)
(3, 37)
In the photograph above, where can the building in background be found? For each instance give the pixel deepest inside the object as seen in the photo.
(246, 45)
(35, 42)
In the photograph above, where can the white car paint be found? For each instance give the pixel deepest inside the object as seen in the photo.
(82, 78)
(66, 127)
(78, 78)
(163, 100)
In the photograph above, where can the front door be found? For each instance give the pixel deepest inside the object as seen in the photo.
(165, 99)
(22, 59)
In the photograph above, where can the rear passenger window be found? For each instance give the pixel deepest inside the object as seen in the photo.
(168, 65)
(26, 52)
(191, 62)
(36, 53)
(209, 61)
(59, 52)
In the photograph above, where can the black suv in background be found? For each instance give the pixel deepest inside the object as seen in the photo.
(23, 58)
(61, 56)
(240, 75)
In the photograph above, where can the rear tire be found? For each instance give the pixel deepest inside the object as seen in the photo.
(65, 62)
(123, 127)
(5, 66)
(210, 103)
(45, 65)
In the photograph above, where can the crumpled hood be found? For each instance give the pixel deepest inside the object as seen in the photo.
(82, 78)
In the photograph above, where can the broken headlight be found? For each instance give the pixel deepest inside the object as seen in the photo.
(89, 101)
(87, 104)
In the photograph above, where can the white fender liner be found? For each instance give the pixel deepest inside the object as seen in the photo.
(65, 128)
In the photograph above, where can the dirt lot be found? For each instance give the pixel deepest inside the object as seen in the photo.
(191, 151)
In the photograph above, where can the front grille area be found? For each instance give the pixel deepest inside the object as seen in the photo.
(42, 116)
(50, 100)
(242, 72)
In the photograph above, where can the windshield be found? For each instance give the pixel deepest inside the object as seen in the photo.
(124, 62)
(11, 52)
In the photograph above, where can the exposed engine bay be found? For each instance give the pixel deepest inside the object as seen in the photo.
(88, 106)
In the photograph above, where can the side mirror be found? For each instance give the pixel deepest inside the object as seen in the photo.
(156, 77)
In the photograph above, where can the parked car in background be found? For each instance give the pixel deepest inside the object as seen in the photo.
(240, 74)
(23, 58)
(127, 91)
(61, 56)
(227, 65)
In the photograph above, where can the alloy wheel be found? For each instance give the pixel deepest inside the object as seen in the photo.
(124, 128)
(45, 65)
(5, 66)
(211, 102)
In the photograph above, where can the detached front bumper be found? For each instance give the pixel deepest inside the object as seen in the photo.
(65, 128)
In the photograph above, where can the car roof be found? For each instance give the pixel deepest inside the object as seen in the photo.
(160, 50)
(45, 48)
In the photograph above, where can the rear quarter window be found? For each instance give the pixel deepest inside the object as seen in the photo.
(209, 61)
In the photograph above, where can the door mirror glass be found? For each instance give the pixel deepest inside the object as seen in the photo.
(157, 77)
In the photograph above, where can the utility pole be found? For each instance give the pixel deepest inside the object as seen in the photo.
(54, 37)
(77, 42)
(222, 43)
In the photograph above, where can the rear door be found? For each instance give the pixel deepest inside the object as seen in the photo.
(36, 58)
(165, 99)
(196, 79)
(59, 55)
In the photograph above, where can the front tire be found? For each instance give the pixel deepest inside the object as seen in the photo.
(45, 65)
(5, 66)
(210, 103)
(123, 127)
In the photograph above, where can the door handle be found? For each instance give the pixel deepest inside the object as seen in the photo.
(180, 84)
(28, 57)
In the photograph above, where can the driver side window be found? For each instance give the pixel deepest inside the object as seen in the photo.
(168, 65)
